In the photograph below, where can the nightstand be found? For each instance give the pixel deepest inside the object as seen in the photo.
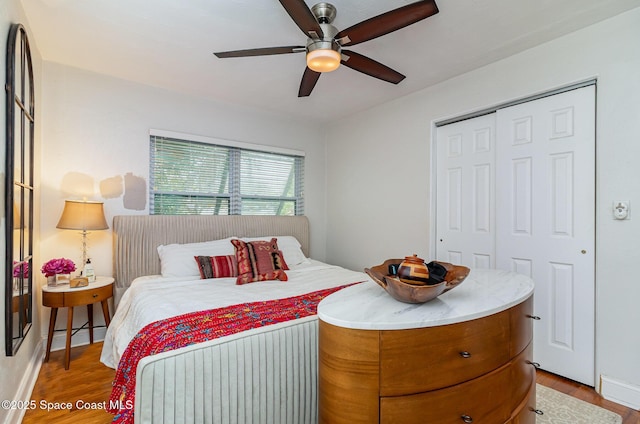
(66, 297)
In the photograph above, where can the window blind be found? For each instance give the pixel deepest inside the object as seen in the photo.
(192, 177)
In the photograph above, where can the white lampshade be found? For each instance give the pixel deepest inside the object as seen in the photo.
(323, 60)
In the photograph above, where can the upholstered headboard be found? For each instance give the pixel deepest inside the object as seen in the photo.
(136, 237)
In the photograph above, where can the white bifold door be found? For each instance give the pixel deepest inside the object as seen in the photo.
(516, 191)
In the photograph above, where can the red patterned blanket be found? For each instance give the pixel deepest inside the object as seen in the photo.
(196, 327)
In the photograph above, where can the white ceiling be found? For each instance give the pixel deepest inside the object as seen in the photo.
(169, 44)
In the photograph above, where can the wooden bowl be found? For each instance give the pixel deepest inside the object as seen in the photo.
(411, 293)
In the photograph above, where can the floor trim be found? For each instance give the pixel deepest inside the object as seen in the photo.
(59, 341)
(620, 392)
(28, 382)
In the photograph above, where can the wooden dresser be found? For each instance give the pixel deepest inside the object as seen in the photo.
(445, 361)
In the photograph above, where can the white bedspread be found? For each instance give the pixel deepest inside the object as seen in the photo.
(153, 298)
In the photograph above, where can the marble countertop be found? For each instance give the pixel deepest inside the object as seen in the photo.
(367, 306)
(60, 288)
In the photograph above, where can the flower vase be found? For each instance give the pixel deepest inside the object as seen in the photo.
(51, 281)
(63, 278)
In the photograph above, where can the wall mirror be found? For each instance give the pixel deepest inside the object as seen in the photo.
(18, 189)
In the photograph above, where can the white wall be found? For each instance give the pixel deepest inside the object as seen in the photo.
(97, 129)
(17, 372)
(378, 174)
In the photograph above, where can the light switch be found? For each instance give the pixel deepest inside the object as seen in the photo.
(621, 209)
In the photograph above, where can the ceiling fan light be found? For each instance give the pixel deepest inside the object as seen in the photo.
(323, 60)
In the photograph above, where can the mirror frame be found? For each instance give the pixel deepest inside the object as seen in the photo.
(19, 189)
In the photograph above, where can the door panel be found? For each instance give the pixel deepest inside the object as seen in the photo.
(545, 164)
(466, 192)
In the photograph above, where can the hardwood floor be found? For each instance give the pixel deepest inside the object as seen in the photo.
(88, 383)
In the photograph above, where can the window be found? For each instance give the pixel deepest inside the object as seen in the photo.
(211, 177)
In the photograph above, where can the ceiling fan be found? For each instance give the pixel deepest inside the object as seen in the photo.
(325, 43)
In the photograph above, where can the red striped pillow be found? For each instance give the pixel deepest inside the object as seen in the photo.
(217, 266)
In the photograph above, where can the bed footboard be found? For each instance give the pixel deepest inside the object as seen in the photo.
(267, 375)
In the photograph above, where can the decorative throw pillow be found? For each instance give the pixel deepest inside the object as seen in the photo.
(258, 261)
(217, 266)
(290, 247)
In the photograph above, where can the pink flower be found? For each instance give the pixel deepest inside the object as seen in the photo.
(21, 270)
(58, 266)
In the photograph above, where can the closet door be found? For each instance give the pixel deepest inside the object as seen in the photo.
(516, 191)
(546, 214)
(465, 184)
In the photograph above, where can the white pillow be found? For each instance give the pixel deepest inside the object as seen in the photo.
(290, 247)
(177, 260)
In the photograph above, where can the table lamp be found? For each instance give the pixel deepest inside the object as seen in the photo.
(85, 216)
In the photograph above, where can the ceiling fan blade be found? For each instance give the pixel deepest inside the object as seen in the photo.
(261, 52)
(370, 67)
(309, 80)
(387, 22)
(303, 17)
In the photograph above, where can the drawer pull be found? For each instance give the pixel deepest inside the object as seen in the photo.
(535, 317)
(95, 295)
(465, 354)
(536, 365)
(537, 411)
(466, 419)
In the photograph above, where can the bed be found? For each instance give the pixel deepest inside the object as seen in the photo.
(264, 374)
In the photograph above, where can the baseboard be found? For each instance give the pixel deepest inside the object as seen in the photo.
(27, 384)
(621, 392)
(59, 341)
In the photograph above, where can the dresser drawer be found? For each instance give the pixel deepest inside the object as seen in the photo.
(484, 400)
(415, 361)
(523, 376)
(525, 412)
(86, 297)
